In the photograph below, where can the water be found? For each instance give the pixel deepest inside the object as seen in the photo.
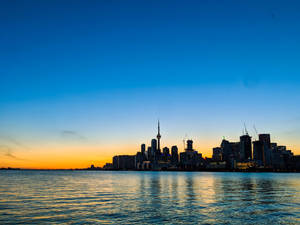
(103, 197)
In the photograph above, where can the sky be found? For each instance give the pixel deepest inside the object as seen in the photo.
(82, 81)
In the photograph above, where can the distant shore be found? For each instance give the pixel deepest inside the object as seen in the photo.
(256, 170)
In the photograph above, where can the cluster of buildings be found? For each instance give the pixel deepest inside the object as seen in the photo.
(246, 154)
(259, 154)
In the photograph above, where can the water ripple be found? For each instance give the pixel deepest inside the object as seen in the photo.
(102, 197)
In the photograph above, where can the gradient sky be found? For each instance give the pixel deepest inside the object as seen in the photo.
(82, 81)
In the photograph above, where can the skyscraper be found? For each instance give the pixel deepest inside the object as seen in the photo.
(166, 151)
(144, 155)
(265, 139)
(189, 145)
(143, 148)
(190, 159)
(245, 147)
(149, 149)
(174, 151)
(153, 147)
(258, 152)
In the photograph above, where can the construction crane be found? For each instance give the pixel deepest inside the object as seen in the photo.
(184, 141)
(255, 131)
(246, 129)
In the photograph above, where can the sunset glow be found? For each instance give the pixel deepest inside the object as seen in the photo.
(81, 84)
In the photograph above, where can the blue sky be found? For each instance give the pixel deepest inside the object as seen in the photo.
(107, 70)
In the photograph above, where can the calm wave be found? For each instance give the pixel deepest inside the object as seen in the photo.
(102, 197)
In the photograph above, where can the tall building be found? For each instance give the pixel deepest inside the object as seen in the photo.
(265, 139)
(139, 159)
(153, 147)
(217, 154)
(258, 150)
(149, 149)
(166, 151)
(166, 154)
(174, 151)
(143, 149)
(189, 145)
(245, 147)
(230, 153)
(226, 150)
(235, 148)
(155, 153)
(191, 159)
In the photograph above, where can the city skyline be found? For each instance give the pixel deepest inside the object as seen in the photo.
(149, 111)
(82, 82)
(258, 154)
(160, 147)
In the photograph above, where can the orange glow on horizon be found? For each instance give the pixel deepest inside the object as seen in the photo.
(80, 157)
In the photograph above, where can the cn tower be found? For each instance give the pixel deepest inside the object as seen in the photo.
(158, 138)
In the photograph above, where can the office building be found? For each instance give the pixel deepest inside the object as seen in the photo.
(174, 151)
(245, 148)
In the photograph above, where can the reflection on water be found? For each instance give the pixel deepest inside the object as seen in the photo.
(91, 197)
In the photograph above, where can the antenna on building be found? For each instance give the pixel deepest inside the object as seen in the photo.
(158, 135)
(158, 126)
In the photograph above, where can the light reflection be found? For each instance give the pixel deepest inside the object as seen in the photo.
(148, 197)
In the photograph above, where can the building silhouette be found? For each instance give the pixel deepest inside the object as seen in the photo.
(174, 157)
(153, 149)
(229, 155)
(143, 149)
(124, 162)
(190, 159)
(217, 154)
(158, 137)
(258, 152)
(245, 148)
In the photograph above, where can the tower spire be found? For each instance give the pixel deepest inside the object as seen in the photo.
(158, 128)
(158, 136)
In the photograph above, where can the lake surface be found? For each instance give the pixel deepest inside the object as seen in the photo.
(104, 197)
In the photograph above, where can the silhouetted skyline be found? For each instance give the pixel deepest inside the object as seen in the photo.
(82, 81)
(260, 155)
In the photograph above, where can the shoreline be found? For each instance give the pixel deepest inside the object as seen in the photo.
(222, 171)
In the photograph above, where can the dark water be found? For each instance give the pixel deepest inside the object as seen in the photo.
(96, 197)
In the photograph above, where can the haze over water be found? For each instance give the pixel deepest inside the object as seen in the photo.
(94, 197)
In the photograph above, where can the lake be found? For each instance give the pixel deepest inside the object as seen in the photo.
(117, 197)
